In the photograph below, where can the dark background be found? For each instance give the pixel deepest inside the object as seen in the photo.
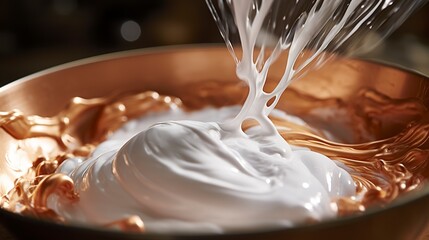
(37, 34)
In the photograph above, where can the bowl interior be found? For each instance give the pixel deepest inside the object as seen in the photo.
(167, 70)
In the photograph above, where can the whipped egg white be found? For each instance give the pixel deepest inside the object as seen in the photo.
(189, 175)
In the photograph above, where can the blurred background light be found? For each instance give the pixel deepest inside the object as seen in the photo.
(130, 31)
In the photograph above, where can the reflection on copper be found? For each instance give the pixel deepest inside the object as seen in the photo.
(132, 224)
(118, 112)
(31, 191)
(57, 183)
(383, 166)
(347, 206)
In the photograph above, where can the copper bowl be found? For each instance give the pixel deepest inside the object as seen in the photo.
(165, 70)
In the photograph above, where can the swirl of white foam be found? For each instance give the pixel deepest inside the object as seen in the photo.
(192, 176)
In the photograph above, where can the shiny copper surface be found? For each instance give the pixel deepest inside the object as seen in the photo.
(167, 72)
(31, 191)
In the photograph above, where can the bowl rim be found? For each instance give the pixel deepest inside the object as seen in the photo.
(407, 198)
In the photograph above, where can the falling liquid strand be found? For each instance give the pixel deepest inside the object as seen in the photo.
(306, 31)
(383, 168)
